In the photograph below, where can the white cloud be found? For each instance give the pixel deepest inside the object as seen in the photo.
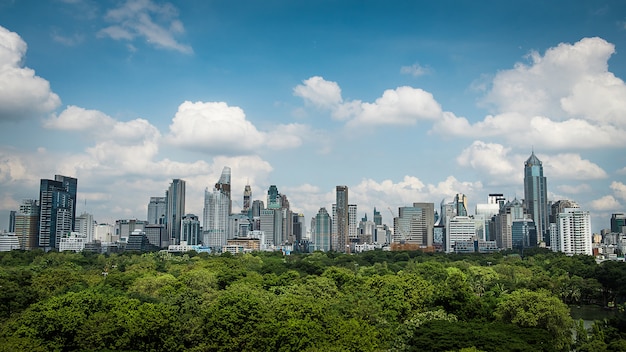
(75, 118)
(606, 203)
(620, 189)
(319, 92)
(621, 171)
(24, 94)
(571, 167)
(564, 99)
(214, 127)
(489, 158)
(158, 24)
(400, 106)
(415, 70)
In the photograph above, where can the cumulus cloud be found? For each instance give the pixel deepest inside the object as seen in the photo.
(490, 158)
(158, 24)
(620, 189)
(563, 99)
(75, 118)
(319, 92)
(401, 106)
(606, 203)
(571, 167)
(24, 94)
(216, 127)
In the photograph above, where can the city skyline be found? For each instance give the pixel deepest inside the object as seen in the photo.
(401, 102)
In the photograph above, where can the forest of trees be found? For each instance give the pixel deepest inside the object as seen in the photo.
(374, 301)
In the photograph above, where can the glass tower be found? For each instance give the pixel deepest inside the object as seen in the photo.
(536, 196)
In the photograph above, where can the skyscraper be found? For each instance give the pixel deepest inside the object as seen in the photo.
(57, 200)
(175, 196)
(216, 212)
(191, 229)
(247, 198)
(84, 224)
(341, 219)
(322, 231)
(157, 207)
(27, 224)
(414, 225)
(223, 186)
(536, 196)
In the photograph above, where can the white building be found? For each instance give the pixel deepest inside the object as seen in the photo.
(84, 224)
(574, 232)
(104, 233)
(216, 212)
(9, 242)
(459, 228)
(74, 241)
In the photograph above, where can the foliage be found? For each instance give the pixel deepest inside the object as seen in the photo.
(374, 301)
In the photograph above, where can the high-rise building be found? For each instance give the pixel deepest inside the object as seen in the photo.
(157, 208)
(353, 223)
(271, 223)
(190, 230)
(216, 212)
(522, 233)
(57, 201)
(574, 232)
(414, 225)
(341, 221)
(85, 225)
(27, 224)
(378, 219)
(273, 198)
(247, 198)
(12, 215)
(223, 186)
(485, 213)
(322, 231)
(618, 223)
(459, 228)
(175, 197)
(460, 204)
(536, 196)
(509, 212)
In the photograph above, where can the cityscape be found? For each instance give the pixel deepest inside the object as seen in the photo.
(269, 224)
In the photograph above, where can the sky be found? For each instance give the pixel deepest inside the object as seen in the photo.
(402, 101)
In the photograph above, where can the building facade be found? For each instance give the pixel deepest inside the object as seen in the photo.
(536, 196)
(175, 197)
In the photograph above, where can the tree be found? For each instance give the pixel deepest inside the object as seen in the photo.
(539, 309)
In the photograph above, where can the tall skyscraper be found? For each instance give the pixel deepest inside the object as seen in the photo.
(510, 212)
(157, 208)
(223, 186)
(536, 196)
(216, 212)
(27, 224)
(378, 219)
(273, 198)
(247, 198)
(618, 223)
(12, 215)
(342, 219)
(175, 196)
(57, 201)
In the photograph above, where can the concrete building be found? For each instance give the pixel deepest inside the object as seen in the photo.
(74, 241)
(191, 229)
(27, 224)
(574, 228)
(9, 242)
(459, 228)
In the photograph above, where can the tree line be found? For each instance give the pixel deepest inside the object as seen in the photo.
(373, 301)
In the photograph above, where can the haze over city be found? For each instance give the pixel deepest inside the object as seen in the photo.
(402, 102)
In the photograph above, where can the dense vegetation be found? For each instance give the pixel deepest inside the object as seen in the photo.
(375, 301)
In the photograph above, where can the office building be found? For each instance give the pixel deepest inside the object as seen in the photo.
(223, 186)
(536, 196)
(190, 227)
(216, 212)
(157, 208)
(414, 225)
(509, 212)
(618, 223)
(341, 220)
(57, 202)
(84, 224)
(247, 199)
(459, 228)
(27, 224)
(322, 231)
(175, 199)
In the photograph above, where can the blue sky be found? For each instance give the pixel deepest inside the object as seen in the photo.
(403, 101)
